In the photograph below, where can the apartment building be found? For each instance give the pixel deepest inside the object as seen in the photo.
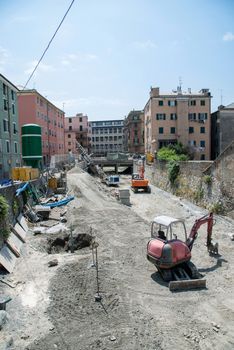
(133, 141)
(107, 136)
(77, 129)
(9, 129)
(36, 109)
(222, 129)
(179, 117)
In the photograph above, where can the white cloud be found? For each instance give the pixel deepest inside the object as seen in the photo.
(78, 57)
(142, 45)
(228, 36)
(41, 68)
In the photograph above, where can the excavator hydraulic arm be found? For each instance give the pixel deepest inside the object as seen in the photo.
(212, 248)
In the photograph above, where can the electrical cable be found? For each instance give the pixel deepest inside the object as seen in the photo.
(47, 47)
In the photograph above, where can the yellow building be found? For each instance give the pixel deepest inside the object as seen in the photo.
(179, 117)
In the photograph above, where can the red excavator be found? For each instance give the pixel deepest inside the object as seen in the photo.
(171, 255)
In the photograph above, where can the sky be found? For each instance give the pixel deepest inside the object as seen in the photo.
(108, 53)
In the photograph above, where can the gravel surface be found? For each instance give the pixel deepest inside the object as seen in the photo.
(137, 310)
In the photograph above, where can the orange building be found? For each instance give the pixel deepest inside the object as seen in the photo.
(179, 117)
(36, 109)
(77, 129)
(134, 132)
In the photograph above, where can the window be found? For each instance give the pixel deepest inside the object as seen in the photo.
(16, 147)
(203, 157)
(13, 108)
(161, 116)
(172, 103)
(5, 105)
(4, 89)
(172, 130)
(81, 128)
(160, 103)
(7, 146)
(202, 116)
(12, 95)
(192, 116)
(97, 139)
(101, 138)
(69, 136)
(173, 116)
(202, 130)
(135, 117)
(160, 130)
(69, 143)
(203, 102)
(192, 143)
(193, 103)
(80, 119)
(191, 130)
(69, 149)
(70, 120)
(70, 128)
(5, 125)
(115, 138)
(14, 128)
(202, 143)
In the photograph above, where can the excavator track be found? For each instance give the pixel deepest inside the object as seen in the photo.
(183, 277)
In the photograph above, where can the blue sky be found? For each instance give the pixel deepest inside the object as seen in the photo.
(108, 53)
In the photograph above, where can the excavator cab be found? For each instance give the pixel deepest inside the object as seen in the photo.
(168, 228)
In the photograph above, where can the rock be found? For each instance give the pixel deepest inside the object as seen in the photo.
(3, 318)
(51, 328)
(53, 262)
(215, 329)
(112, 338)
(24, 336)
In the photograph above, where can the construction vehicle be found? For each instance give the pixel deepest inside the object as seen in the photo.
(138, 181)
(172, 255)
(112, 180)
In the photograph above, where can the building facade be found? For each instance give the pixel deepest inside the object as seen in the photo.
(107, 137)
(179, 117)
(77, 129)
(9, 128)
(36, 109)
(133, 141)
(222, 129)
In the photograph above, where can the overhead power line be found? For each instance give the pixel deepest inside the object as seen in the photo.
(47, 47)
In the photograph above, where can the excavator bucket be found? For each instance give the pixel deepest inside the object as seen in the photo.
(187, 284)
(213, 248)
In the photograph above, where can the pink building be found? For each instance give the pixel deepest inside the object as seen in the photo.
(36, 109)
(77, 129)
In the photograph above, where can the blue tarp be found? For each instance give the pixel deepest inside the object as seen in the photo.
(21, 189)
(58, 203)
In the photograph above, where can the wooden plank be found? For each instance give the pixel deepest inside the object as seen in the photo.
(19, 232)
(187, 284)
(15, 244)
(23, 223)
(7, 258)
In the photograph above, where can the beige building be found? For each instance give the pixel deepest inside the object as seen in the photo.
(178, 117)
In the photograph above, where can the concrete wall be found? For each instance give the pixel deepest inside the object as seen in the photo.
(206, 183)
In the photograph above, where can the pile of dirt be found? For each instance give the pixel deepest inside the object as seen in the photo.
(67, 243)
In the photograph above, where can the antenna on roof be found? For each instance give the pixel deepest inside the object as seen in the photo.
(221, 96)
(180, 83)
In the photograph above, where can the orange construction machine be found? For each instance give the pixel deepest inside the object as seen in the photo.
(138, 179)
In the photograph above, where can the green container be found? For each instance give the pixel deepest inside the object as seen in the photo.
(31, 145)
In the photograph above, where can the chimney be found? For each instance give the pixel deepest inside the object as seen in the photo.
(154, 92)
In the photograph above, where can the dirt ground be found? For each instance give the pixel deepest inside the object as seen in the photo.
(55, 308)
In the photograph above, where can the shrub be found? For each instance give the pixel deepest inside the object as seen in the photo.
(4, 225)
(173, 171)
(198, 195)
(168, 154)
(217, 208)
(207, 179)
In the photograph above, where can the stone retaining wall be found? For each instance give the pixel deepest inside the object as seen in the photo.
(207, 183)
